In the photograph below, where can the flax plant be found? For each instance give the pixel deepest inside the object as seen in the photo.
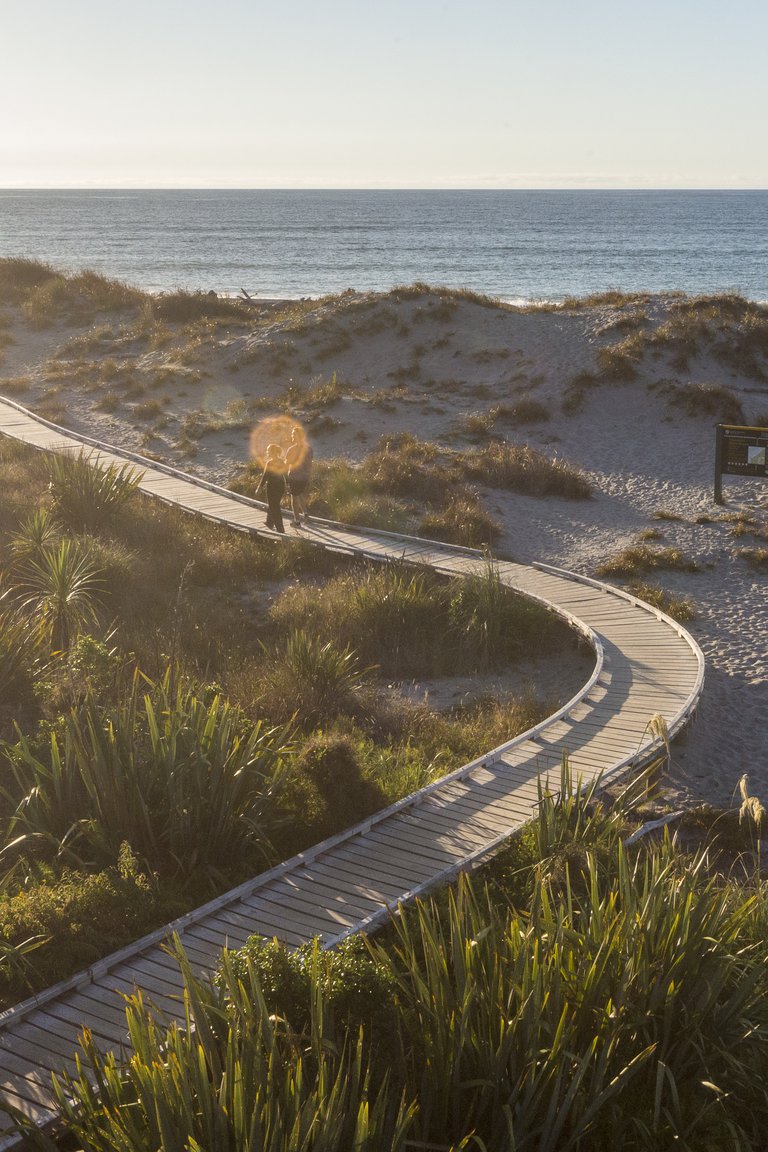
(230, 1075)
(189, 783)
(86, 493)
(62, 587)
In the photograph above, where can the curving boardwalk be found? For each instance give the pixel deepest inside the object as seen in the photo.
(646, 665)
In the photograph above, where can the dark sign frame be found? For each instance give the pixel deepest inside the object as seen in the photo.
(740, 450)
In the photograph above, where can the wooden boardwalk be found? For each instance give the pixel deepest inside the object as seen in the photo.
(645, 665)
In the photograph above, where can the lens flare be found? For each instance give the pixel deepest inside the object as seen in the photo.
(282, 430)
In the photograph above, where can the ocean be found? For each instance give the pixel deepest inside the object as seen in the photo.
(519, 245)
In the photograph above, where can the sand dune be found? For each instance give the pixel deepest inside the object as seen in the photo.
(629, 389)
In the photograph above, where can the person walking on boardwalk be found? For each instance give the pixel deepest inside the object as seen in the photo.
(299, 460)
(273, 481)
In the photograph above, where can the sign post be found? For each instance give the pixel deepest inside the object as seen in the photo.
(739, 451)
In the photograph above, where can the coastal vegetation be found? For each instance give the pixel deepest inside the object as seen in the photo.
(183, 705)
(408, 484)
(637, 558)
(587, 989)
(180, 706)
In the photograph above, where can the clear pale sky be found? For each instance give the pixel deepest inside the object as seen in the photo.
(384, 93)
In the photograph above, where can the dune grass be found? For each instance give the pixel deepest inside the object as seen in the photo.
(680, 608)
(639, 558)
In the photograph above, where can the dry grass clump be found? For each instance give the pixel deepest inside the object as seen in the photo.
(744, 524)
(666, 514)
(576, 392)
(641, 558)
(403, 465)
(525, 469)
(631, 324)
(183, 307)
(678, 607)
(18, 276)
(77, 298)
(757, 558)
(733, 329)
(613, 297)
(462, 520)
(714, 401)
(527, 410)
(15, 385)
(617, 362)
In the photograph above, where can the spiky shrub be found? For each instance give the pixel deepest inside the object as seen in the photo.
(313, 680)
(627, 1011)
(61, 588)
(231, 1075)
(36, 533)
(186, 781)
(86, 493)
(19, 647)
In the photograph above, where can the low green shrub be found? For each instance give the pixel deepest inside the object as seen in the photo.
(76, 918)
(326, 791)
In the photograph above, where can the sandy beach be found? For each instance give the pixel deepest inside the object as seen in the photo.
(627, 388)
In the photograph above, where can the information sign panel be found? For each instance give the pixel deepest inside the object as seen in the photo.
(739, 451)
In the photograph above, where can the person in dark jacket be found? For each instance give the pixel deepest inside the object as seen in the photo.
(299, 461)
(273, 482)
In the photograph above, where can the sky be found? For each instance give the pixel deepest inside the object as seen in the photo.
(395, 94)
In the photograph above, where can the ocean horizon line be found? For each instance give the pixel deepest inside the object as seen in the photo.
(419, 188)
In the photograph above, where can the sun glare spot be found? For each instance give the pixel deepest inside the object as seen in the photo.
(281, 430)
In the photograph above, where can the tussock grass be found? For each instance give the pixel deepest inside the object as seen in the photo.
(462, 520)
(77, 298)
(641, 558)
(714, 401)
(410, 473)
(19, 276)
(757, 558)
(525, 469)
(183, 307)
(680, 608)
